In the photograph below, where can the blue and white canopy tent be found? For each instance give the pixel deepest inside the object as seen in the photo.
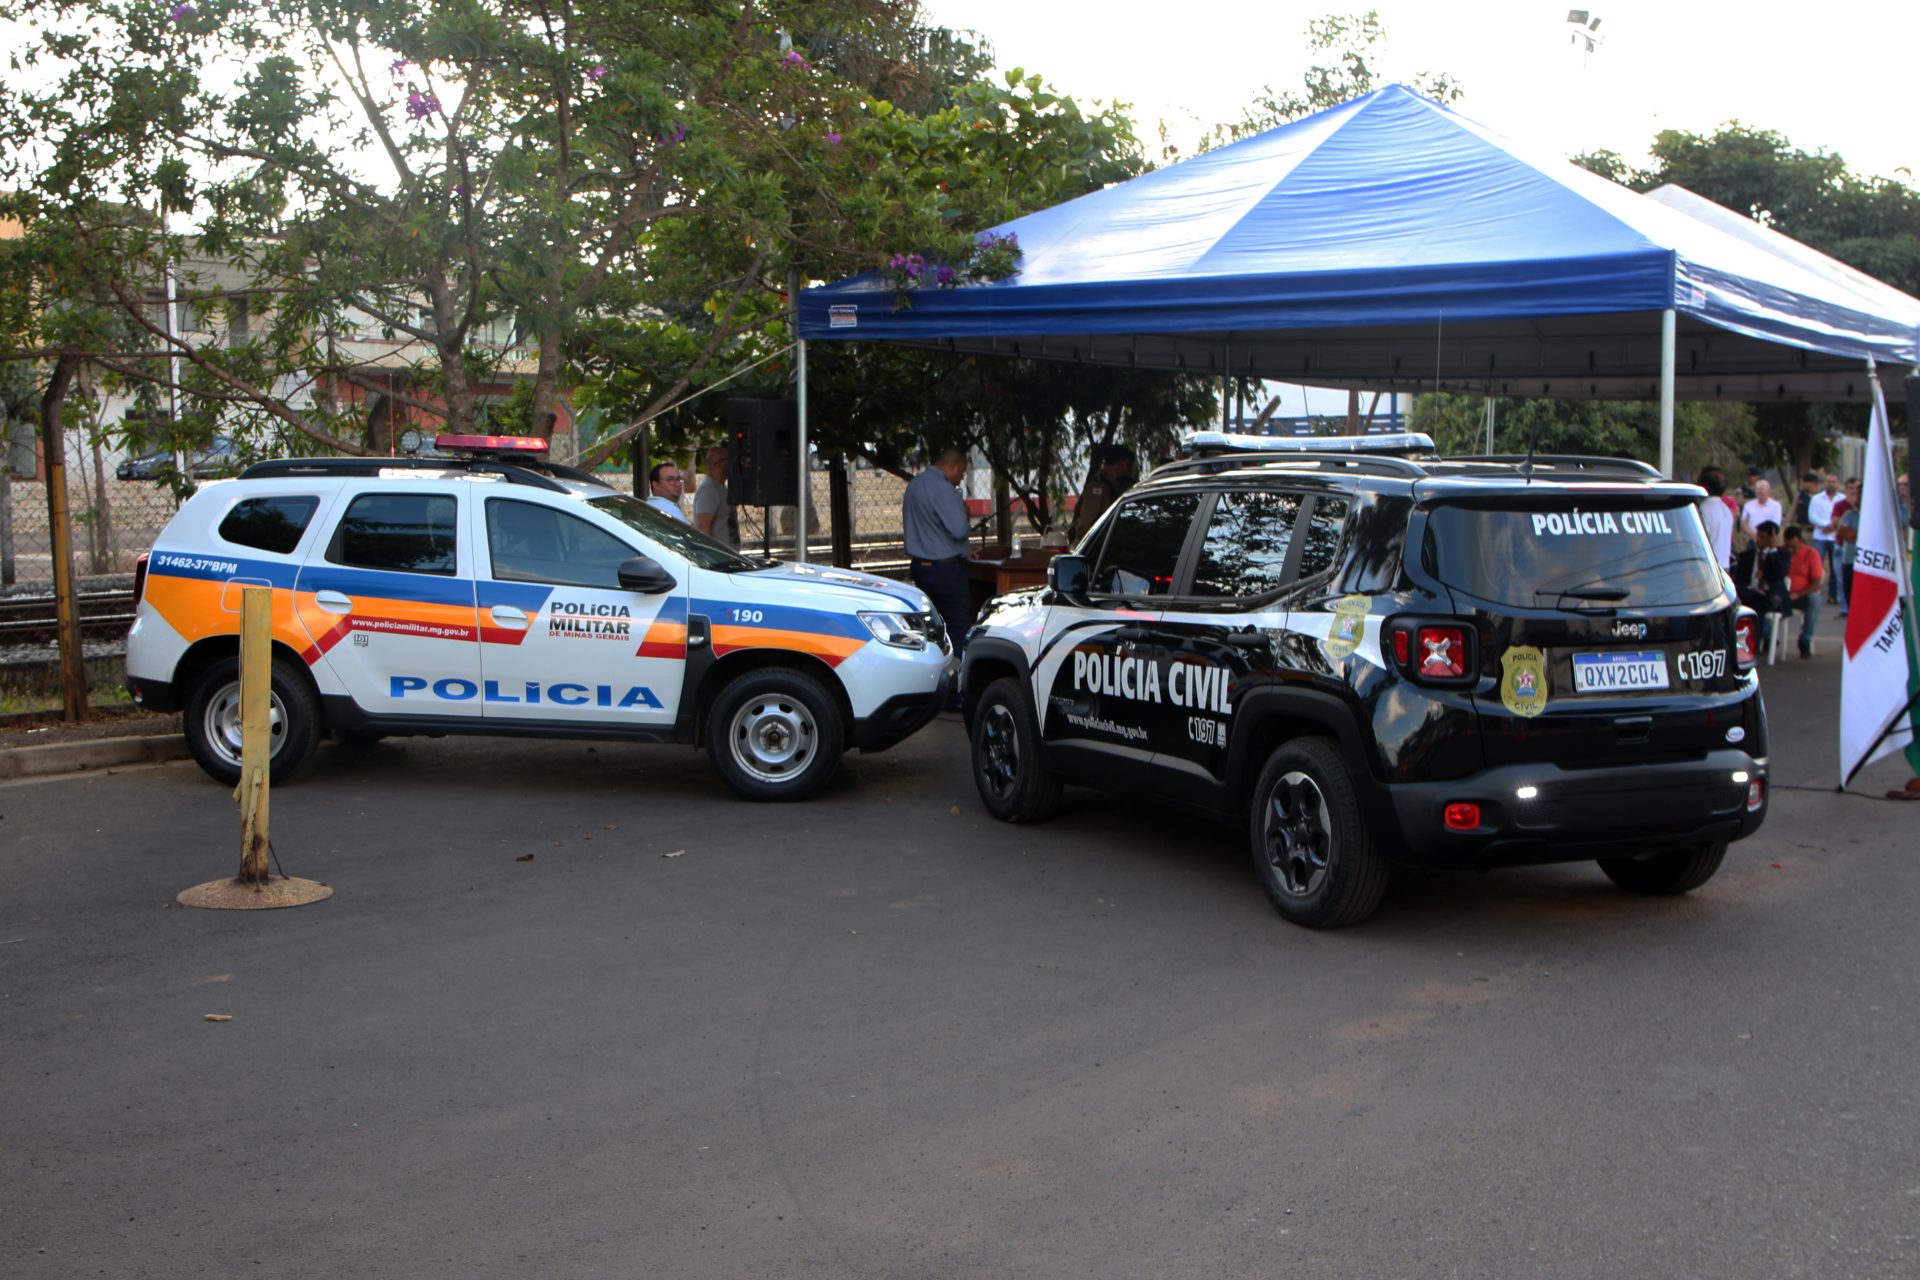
(1391, 244)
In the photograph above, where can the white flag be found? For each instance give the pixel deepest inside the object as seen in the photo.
(1873, 673)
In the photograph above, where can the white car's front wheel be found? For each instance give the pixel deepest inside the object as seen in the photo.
(775, 734)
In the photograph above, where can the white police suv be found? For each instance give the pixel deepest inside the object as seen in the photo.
(495, 592)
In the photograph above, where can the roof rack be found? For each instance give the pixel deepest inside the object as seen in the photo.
(1366, 464)
(1564, 461)
(538, 474)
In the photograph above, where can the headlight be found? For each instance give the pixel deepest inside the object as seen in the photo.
(901, 630)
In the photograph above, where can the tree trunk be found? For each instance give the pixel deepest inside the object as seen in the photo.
(546, 384)
(102, 514)
(6, 525)
(73, 661)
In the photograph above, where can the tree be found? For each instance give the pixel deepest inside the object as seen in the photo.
(437, 178)
(1349, 47)
(1703, 433)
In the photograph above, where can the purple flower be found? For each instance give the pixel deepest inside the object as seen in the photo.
(421, 105)
(180, 12)
(597, 71)
(833, 139)
(943, 277)
(399, 67)
(794, 62)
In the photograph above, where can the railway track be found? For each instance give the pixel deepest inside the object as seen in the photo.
(26, 619)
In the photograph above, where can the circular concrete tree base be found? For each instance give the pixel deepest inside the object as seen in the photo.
(244, 895)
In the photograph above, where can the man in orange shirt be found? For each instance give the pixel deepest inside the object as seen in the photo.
(1804, 576)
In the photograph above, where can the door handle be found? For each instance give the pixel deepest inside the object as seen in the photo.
(333, 601)
(1246, 640)
(508, 616)
(1129, 633)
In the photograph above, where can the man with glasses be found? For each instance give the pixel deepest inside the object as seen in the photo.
(665, 482)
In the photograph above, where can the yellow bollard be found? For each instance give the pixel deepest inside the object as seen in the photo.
(255, 887)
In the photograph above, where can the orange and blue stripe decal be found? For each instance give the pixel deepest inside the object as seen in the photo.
(831, 637)
(411, 604)
(528, 597)
(666, 637)
(199, 596)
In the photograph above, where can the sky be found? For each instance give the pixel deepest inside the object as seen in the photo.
(1833, 76)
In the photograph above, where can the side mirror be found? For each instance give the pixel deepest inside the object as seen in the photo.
(644, 574)
(1067, 576)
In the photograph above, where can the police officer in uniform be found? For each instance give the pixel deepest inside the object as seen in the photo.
(935, 520)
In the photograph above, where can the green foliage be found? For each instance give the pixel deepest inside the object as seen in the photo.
(1703, 433)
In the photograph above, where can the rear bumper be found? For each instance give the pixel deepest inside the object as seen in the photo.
(1575, 815)
(900, 716)
(154, 695)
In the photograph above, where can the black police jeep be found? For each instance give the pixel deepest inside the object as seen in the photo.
(1377, 658)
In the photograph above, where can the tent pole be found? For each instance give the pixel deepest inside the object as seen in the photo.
(805, 491)
(1226, 390)
(1667, 325)
(1489, 419)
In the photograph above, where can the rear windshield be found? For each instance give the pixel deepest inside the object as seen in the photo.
(1574, 557)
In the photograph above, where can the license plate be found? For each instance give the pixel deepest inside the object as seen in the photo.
(1613, 672)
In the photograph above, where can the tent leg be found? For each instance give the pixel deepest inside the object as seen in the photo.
(805, 491)
(1667, 326)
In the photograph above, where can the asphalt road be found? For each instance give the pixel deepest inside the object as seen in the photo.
(875, 1037)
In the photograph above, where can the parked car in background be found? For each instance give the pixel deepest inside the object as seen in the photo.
(217, 459)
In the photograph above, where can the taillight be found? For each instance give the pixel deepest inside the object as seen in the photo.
(140, 577)
(1437, 652)
(1461, 815)
(1441, 652)
(1746, 641)
(1756, 795)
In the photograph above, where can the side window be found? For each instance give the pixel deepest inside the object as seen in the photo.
(1323, 535)
(1245, 552)
(533, 543)
(401, 532)
(1143, 545)
(269, 524)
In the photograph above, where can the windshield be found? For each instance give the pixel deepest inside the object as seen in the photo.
(675, 535)
(1611, 557)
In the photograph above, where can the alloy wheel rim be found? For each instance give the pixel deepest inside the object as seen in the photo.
(1297, 834)
(999, 752)
(222, 724)
(773, 738)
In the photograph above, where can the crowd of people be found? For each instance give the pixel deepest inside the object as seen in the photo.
(1786, 563)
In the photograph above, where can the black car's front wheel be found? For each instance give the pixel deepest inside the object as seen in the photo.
(1310, 843)
(1007, 770)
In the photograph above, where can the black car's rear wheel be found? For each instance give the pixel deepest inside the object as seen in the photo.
(1676, 871)
(1310, 842)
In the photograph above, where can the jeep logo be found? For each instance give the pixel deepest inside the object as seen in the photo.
(1630, 630)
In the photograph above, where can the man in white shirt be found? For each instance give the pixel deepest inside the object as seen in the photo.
(1820, 516)
(1717, 516)
(665, 481)
(1761, 508)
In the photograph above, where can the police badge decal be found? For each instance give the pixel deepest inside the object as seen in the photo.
(1349, 626)
(1523, 680)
